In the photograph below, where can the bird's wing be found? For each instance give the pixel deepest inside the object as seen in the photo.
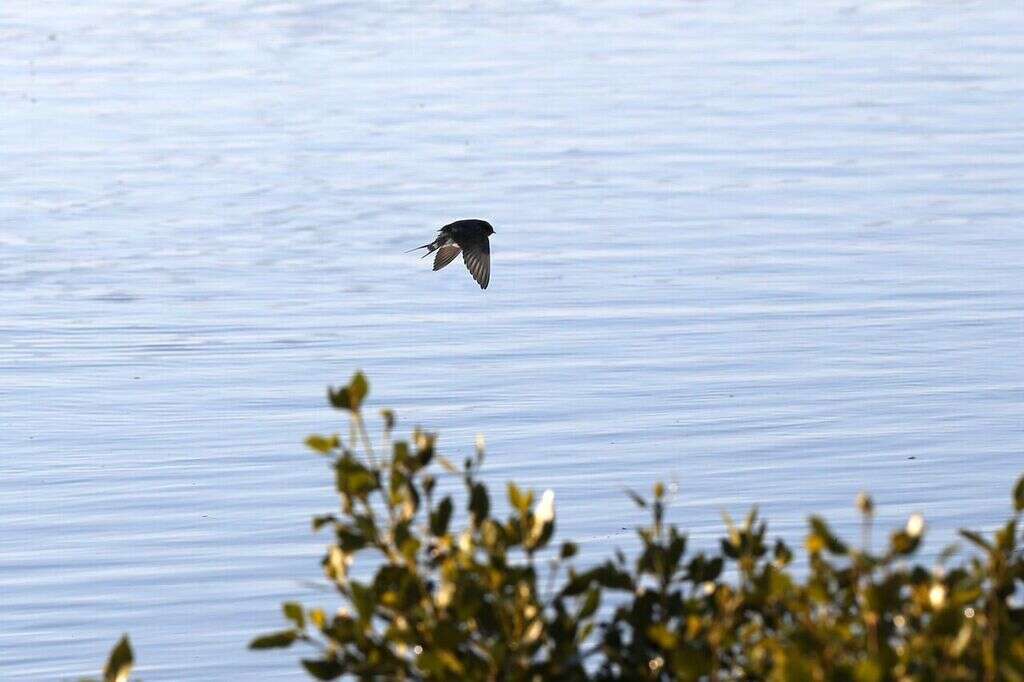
(476, 251)
(445, 255)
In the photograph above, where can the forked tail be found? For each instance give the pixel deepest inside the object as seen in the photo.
(429, 247)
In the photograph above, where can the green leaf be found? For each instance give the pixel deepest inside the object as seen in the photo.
(948, 552)
(342, 630)
(340, 399)
(1018, 495)
(676, 548)
(350, 397)
(822, 530)
(479, 503)
(410, 548)
(322, 669)
(353, 478)
(662, 636)
(119, 664)
(322, 520)
(275, 640)
(1006, 537)
(363, 599)
(783, 555)
(322, 444)
(902, 543)
(358, 388)
(569, 550)
(577, 582)
(293, 612)
(400, 453)
(520, 501)
(590, 604)
(425, 443)
(976, 539)
(440, 517)
(701, 569)
(350, 539)
(640, 501)
(613, 578)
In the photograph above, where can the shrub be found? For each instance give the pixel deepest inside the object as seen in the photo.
(490, 599)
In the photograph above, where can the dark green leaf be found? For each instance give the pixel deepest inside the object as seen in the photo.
(633, 495)
(294, 613)
(339, 399)
(1018, 495)
(440, 517)
(425, 448)
(350, 539)
(902, 543)
(322, 669)
(119, 664)
(479, 503)
(322, 444)
(520, 501)
(358, 388)
(322, 520)
(274, 640)
(783, 555)
(676, 548)
(353, 478)
(363, 599)
(400, 452)
(342, 629)
(822, 530)
(349, 397)
(611, 577)
(590, 604)
(578, 582)
(1006, 537)
(976, 539)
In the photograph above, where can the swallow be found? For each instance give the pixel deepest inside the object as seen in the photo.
(468, 237)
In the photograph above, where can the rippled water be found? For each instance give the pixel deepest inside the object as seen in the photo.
(772, 255)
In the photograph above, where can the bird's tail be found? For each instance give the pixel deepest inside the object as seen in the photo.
(429, 247)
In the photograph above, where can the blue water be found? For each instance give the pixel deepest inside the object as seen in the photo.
(769, 255)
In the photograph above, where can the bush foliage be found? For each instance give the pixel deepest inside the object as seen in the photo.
(491, 599)
(453, 596)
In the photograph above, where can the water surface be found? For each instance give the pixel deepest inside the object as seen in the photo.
(770, 255)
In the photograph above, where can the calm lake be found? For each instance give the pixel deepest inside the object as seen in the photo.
(770, 255)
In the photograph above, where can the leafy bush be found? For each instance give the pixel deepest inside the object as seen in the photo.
(490, 600)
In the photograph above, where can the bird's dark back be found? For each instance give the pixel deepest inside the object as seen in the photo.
(468, 228)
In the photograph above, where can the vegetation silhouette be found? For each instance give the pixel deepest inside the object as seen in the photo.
(489, 598)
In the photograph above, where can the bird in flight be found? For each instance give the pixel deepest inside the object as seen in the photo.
(468, 237)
